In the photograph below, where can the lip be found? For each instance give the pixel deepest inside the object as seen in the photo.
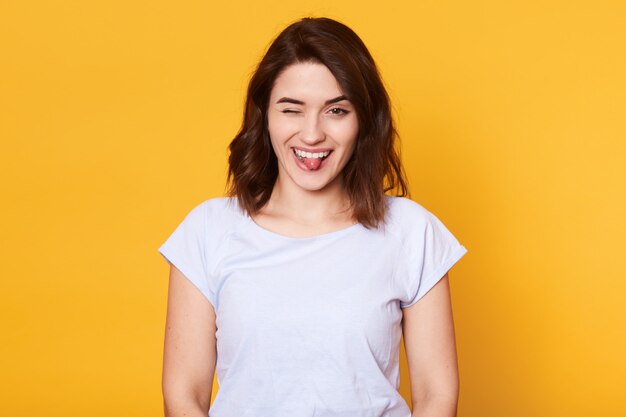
(312, 150)
(303, 166)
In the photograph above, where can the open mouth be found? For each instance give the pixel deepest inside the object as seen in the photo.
(312, 160)
(301, 155)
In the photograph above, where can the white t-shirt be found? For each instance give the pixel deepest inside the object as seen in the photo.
(310, 327)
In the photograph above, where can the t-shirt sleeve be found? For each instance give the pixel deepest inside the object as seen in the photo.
(186, 248)
(431, 253)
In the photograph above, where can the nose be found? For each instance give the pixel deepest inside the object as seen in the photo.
(312, 130)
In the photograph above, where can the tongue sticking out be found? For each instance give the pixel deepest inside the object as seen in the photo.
(312, 163)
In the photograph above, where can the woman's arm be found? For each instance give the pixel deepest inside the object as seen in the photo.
(429, 341)
(189, 352)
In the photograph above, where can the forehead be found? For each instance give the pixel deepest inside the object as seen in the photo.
(306, 80)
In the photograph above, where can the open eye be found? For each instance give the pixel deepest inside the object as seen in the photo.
(338, 111)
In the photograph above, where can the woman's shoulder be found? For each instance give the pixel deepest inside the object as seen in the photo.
(405, 220)
(217, 213)
(410, 221)
(221, 205)
(403, 212)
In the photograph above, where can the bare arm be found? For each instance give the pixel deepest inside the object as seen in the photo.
(429, 341)
(189, 352)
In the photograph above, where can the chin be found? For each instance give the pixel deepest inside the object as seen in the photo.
(328, 177)
(314, 184)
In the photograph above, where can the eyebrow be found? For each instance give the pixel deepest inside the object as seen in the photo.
(300, 102)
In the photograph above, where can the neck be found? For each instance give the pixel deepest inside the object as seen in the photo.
(310, 207)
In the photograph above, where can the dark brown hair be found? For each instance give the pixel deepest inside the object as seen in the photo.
(373, 169)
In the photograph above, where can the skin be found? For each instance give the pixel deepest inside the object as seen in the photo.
(307, 203)
(189, 352)
(429, 342)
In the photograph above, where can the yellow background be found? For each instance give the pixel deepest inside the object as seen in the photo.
(115, 117)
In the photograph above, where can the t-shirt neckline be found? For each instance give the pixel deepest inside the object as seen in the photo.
(335, 233)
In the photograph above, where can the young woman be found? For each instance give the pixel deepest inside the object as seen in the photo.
(297, 288)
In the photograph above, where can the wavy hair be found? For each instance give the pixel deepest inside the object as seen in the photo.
(374, 167)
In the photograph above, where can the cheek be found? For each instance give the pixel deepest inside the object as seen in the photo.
(279, 128)
(346, 133)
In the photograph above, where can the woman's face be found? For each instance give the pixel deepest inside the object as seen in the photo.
(312, 126)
